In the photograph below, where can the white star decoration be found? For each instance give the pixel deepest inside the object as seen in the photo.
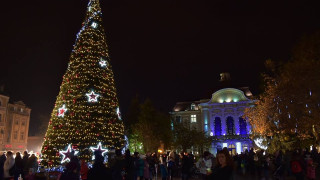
(99, 148)
(94, 25)
(66, 155)
(92, 97)
(118, 113)
(62, 110)
(103, 63)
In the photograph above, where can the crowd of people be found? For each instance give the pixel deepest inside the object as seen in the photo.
(301, 164)
(18, 167)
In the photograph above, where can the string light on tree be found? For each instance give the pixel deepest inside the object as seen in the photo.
(62, 110)
(66, 155)
(92, 97)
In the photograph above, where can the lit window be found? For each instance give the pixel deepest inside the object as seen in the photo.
(193, 106)
(193, 118)
(21, 110)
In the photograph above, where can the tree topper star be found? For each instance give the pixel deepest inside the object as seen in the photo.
(92, 97)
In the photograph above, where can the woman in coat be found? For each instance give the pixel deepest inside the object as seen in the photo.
(8, 164)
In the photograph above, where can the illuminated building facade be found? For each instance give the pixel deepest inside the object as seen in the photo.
(14, 125)
(220, 117)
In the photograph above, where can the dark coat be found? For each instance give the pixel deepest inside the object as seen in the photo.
(99, 171)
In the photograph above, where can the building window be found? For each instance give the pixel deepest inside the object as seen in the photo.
(21, 135)
(23, 123)
(232, 149)
(178, 119)
(217, 126)
(193, 106)
(243, 126)
(193, 118)
(0, 118)
(21, 110)
(15, 135)
(230, 125)
(0, 102)
(17, 122)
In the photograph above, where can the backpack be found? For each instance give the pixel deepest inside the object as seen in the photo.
(295, 167)
(11, 170)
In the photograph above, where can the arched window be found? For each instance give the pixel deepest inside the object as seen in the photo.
(230, 125)
(217, 126)
(243, 126)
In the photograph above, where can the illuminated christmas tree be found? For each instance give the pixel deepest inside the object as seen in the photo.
(86, 113)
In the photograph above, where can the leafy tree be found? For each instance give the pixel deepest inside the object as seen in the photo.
(152, 127)
(185, 138)
(288, 110)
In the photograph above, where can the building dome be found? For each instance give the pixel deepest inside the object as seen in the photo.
(228, 95)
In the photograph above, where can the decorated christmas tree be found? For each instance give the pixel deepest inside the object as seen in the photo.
(86, 113)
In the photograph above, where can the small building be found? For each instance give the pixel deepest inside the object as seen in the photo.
(14, 125)
(220, 117)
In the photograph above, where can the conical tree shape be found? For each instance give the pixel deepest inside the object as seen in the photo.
(86, 111)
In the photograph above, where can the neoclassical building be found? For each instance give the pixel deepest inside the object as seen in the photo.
(14, 125)
(220, 117)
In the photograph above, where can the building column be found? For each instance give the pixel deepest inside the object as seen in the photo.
(205, 115)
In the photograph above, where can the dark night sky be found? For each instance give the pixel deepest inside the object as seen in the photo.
(167, 50)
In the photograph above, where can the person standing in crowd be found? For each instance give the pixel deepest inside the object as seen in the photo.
(8, 164)
(185, 166)
(25, 162)
(99, 171)
(297, 166)
(18, 166)
(2, 160)
(32, 163)
(163, 168)
(84, 170)
(224, 168)
(204, 164)
(171, 164)
(117, 166)
(129, 166)
(70, 172)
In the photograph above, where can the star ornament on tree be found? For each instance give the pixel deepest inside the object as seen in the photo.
(67, 154)
(92, 97)
(99, 148)
(103, 63)
(62, 110)
(119, 113)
